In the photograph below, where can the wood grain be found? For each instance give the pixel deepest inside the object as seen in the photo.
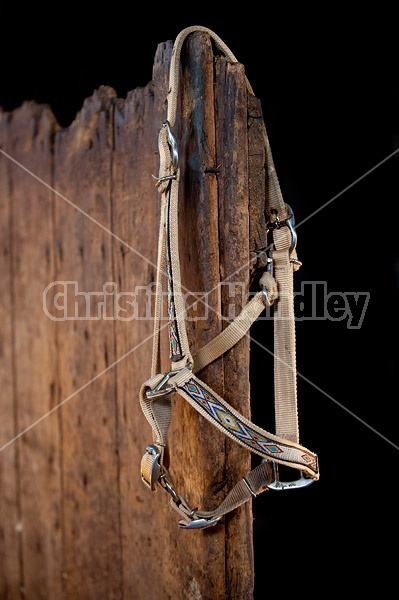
(10, 530)
(79, 221)
(86, 349)
(30, 132)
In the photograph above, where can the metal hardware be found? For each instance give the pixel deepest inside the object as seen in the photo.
(269, 267)
(278, 485)
(173, 146)
(194, 523)
(199, 523)
(160, 390)
(166, 178)
(290, 223)
(165, 482)
(156, 467)
(215, 170)
(168, 486)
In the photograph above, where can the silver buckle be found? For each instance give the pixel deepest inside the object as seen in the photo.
(295, 484)
(199, 523)
(160, 390)
(290, 223)
(173, 146)
(155, 469)
(194, 523)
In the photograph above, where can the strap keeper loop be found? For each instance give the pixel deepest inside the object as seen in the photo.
(249, 487)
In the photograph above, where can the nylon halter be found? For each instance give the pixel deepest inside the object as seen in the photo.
(276, 288)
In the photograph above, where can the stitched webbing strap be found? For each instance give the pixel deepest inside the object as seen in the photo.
(230, 422)
(158, 412)
(229, 337)
(277, 289)
(285, 387)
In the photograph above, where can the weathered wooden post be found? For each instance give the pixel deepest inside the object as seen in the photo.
(79, 213)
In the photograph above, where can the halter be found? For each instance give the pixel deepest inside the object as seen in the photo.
(276, 288)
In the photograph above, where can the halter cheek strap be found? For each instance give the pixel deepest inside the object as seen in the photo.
(276, 288)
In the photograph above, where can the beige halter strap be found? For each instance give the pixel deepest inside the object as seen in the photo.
(281, 448)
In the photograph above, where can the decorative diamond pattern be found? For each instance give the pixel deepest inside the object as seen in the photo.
(228, 421)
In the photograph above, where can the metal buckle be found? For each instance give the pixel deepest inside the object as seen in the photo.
(156, 467)
(278, 485)
(174, 154)
(194, 523)
(160, 390)
(290, 223)
(173, 146)
(199, 523)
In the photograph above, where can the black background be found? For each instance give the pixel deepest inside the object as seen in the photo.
(328, 83)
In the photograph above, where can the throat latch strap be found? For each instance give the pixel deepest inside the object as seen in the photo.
(276, 290)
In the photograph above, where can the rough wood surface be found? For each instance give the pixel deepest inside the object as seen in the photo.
(10, 547)
(86, 349)
(38, 489)
(79, 207)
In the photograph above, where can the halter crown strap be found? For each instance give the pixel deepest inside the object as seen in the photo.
(276, 288)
